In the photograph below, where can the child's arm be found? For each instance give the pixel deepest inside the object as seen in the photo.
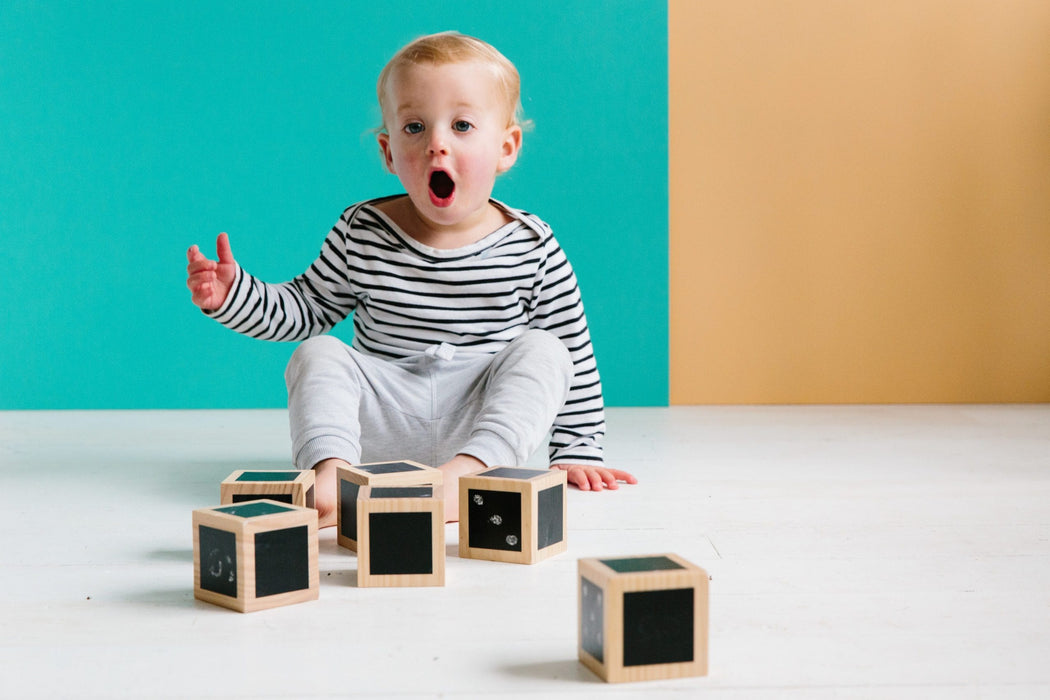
(211, 281)
(576, 436)
(305, 306)
(591, 478)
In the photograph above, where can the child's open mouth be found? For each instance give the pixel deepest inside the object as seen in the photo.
(442, 188)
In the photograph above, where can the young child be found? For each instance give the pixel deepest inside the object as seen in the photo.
(470, 342)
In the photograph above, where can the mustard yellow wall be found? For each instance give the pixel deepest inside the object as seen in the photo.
(859, 201)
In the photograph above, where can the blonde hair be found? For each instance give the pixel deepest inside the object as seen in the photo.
(452, 47)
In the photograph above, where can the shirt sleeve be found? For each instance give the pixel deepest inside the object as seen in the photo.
(309, 305)
(558, 308)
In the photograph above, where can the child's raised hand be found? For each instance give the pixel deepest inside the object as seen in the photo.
(210, 281)
(591, 478)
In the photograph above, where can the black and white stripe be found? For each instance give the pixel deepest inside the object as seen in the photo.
(406, 297)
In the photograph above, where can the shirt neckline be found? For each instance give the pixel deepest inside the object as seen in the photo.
(432, 253)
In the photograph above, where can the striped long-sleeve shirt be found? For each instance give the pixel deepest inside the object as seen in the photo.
(406, 297)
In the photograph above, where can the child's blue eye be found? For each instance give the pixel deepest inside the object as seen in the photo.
(414, 128)
(462, 126)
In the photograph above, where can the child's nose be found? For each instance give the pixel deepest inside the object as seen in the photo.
(438, 145)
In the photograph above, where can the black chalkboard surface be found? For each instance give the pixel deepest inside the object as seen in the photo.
(639, 564)
(402, 492)
(387, 468)
(348, 491)
(400, 543)
(658, 627)
(592, 619)
(218, 564)
(282, 561)
(494, 519)
(550, 512)
(244, 497)
(253, 509)
(512, 473)
(287, 475)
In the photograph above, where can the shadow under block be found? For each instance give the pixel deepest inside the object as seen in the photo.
(255, 555)
(349, 481)
(642, 618)
(292, 486)
(401, 536)
(512, 515)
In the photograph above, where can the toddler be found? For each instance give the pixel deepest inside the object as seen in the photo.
(470, 343)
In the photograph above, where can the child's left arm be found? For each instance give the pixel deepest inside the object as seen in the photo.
(588, 477)
(578, 429)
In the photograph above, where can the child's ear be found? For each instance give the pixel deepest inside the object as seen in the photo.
(384, 147)
(510, 149)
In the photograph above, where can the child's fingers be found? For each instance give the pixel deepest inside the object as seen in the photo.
(202, 295)
(197, 279)
(608, 479)
(621, 475)
(578, 478)
(595, 478)
(222, 247)
(201, 267)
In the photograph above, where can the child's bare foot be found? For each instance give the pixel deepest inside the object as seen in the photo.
(325, 491)
(453, 469)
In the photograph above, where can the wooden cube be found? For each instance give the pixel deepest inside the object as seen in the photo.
(255, 555)
(401, 536)
(511, 514)
(351, 479)
(292, 486)
(642, 618)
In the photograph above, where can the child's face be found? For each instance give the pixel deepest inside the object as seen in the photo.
(449, 136)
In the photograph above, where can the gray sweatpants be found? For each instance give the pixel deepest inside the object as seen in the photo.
(428, 408)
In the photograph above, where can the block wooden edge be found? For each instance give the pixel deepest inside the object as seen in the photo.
(555, 478)
(242, 528)
(529, 490)
(476, 481)
(614, 585)
(301, 487)
(435, 505)
(342, 474)
(424, 476)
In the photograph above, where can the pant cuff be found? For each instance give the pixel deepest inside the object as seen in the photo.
(491, 449)
(326, 447)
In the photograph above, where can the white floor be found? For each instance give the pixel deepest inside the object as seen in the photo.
(855, 552)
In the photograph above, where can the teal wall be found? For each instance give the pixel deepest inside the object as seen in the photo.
(132, 130)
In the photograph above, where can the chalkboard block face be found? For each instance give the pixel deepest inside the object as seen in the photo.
(387, 468)
(513, 473)
(592, 619)
(282, 561)
(658, 627)
(218, 564)
(402, 492)
(348, 491)
(494, 519)
(253, 509)
(641, 564)
(287, 475)
(551, 514)
(245, 497)
(400, 543)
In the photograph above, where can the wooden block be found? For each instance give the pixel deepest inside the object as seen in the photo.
(642, 618)
(255, 555)
(349, 481)
(401, 536)
(292, 486)
(511, 514)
